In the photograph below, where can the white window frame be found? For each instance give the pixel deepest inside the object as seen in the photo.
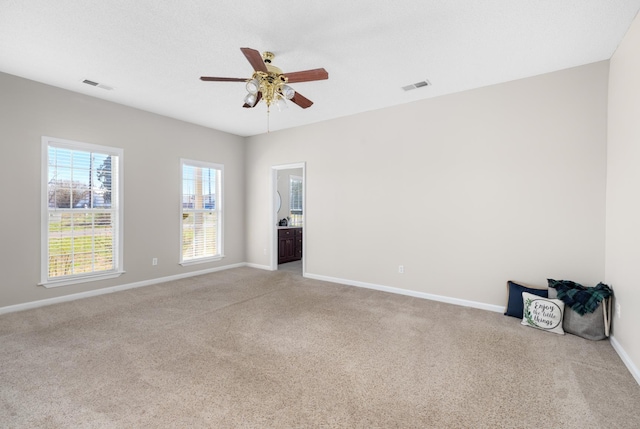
(117, 210)
(219, 209)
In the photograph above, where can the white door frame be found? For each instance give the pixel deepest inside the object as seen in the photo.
(274, 213)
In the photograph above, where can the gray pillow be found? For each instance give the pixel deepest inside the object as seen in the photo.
(590, 325)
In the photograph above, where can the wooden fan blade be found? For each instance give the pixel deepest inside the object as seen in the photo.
(301, 101)
(223, 79)
(307, 75)
(258, 98)
(255, 59)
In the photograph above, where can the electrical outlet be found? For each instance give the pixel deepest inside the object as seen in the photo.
(618, 311)
(400, 269)
(154, 261)
(264, 251)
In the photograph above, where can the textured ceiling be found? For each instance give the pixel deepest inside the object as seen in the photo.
(152, 52)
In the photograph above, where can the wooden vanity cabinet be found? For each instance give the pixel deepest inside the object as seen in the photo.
(289, 245)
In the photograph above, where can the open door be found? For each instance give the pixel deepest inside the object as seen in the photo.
(288, 226)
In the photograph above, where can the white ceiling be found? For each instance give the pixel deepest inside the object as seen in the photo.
(152, 52)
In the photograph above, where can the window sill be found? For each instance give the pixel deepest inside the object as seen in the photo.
(201, 260)
(80, 279)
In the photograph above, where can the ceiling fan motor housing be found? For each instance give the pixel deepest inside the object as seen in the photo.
(267, 57)
(272, 82)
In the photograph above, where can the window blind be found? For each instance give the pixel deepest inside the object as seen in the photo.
(201, 211)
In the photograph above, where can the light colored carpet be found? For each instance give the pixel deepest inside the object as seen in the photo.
(246, 348)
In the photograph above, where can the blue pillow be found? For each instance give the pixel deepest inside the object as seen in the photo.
(514, 304)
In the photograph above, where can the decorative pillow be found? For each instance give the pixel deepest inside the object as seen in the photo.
(514, 302)
(542, 313)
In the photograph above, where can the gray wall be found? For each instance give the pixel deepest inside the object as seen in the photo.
(623, 190)
(466, 191)
(153, 146)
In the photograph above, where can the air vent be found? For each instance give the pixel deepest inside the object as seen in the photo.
(99, 85)
(416, 85)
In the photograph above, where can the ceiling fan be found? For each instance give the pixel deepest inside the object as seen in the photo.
(268, 83)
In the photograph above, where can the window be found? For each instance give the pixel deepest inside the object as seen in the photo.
(81, 212)
(201, 228)
(295, 200)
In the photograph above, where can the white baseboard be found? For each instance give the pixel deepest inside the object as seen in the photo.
(258, 266)
(625, 358)
(440, 298)
(106, 290)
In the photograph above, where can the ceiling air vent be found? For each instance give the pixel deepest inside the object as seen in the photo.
(99, 85)
(416, 85)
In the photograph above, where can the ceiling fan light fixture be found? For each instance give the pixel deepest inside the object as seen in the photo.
(253, 86)
(287, 92)
(281, 104)
(250, 99)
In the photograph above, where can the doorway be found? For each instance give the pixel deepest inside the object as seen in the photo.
(288, 218)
